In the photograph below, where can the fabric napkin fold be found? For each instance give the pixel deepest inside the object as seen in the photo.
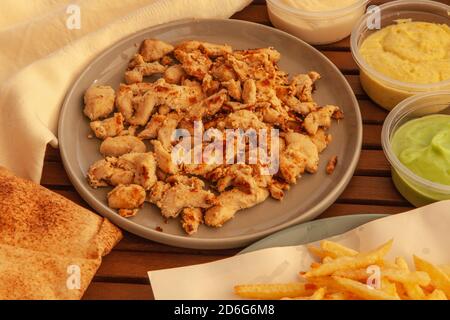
(43, 51)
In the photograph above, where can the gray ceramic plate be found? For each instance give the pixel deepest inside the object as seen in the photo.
(311, 196)
(312, 231)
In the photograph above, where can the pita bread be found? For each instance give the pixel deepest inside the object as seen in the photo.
(42, 237)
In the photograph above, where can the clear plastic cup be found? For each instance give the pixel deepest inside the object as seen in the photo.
(316, 27)
(385, 91)
(417, 190)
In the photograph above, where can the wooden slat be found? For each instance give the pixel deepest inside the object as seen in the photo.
(343, 60)
(372, 190)
(118, 291)
(339, 209)
(133, 266)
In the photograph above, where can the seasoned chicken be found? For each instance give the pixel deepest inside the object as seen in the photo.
(303, 85)
(110, 171)
(109, 127)
(210, 49)
(179, 196)
(152, 50)
(214, 92)
(234, 88)
(195, 63)
(321, 139)
(229, 202)
(300, 154)
(164, 158)
(208, 107)
(152, 128)
(244, 119)
(144, 168)
(320, 118)
(249, 91)
(167, 130)
(191, 219)
(126, 198)
(120, 145)
(174, 74)
(209, 85)
(135, 106)
(99, 102)
(138, 69)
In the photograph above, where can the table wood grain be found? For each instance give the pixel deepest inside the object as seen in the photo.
(123, 273)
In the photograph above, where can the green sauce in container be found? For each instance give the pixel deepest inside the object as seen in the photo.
(423, 146)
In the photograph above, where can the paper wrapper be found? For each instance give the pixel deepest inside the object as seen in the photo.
(423, 231)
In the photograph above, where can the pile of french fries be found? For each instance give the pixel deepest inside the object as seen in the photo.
(346, 274)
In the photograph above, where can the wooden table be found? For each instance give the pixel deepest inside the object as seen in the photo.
(123, 274)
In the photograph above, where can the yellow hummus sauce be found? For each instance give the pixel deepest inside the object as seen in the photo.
(414, 52)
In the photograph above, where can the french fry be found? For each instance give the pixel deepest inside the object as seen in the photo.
(358, 261)
(354, 274)
(418, 277)
(389, 288)
(273, 291)
(317, 251)
(345, 274)
(338, 250)
(319, 294)
(437, 295)
(446, 269)
(439, 279)
(362, 290)
(337, 296)
(414, 291)
(327, 260)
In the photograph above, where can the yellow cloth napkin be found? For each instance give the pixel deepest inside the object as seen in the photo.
(41, 57)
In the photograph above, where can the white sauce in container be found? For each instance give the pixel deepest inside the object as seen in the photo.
(316, 21)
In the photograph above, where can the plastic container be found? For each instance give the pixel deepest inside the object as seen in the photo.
(316, 27)
(385, 91)
(415, 189)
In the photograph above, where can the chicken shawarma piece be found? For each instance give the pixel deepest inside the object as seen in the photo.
(151, 129)
(152, 49)
(99, 102)
(229, 202)
(191, 219)
(109, 127)
(144, 168)
(117, 146)
(243, 119)
(234, 88)
(208, 107)
(321, 139)
(173, 199)
(303, 85)
(319, 119)
(174, 74)
(300, 154)
(110, 171)
(212, 50)
(164, 158)
(167, 129)
(127, 199)
(135, 106)
(195, 63)
(138, 69)
(137, 168)
(249, 91)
